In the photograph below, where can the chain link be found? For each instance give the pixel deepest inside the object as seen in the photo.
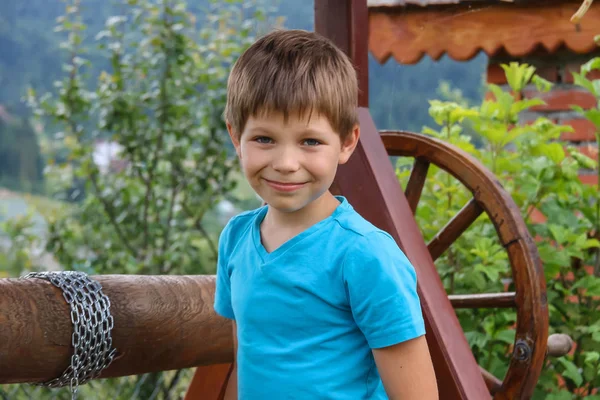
(92, 327)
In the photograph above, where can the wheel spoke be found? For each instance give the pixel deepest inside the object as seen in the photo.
(415, 184)
(453, 229)
(484, 300)
(493, 384)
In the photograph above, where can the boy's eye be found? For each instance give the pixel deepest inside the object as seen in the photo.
(312, 142)
(262, 139)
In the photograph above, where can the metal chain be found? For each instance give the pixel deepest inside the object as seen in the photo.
(92, 326)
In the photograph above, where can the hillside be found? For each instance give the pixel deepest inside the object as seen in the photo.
(30, 56)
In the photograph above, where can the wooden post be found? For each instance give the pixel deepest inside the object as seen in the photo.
(345, 22)
(369, 182)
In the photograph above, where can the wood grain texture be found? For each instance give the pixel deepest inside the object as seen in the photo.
(209, 382)
(484, 300)
(461, 31)
(493, 384)
(161, 323)
(415, 184)
(528, 276)
(454, 228)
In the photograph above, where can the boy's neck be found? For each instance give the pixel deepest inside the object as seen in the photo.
(311, 214)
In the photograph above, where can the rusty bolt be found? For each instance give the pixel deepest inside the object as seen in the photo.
(522, 351)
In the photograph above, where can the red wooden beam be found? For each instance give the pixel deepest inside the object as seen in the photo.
(369, 182)
(345, 22)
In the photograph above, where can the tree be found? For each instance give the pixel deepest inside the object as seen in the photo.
(159, 106)
(21, 163)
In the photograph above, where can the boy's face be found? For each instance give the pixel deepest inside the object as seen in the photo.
(290, 164)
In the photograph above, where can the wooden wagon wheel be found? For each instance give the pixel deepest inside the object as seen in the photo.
(528, 276)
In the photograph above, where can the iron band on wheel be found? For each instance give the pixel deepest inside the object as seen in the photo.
(92, 326)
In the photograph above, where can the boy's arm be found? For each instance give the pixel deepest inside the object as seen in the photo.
(406, 370)
(231, 391)
(381, 285)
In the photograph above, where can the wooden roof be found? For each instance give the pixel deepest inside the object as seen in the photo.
(425, 3)
(409, 29)
(401, 3)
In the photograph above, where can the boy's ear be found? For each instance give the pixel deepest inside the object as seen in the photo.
(349, 144)
(234, 139)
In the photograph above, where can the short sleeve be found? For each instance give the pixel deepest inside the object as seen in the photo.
(223, 285)
(381, 285)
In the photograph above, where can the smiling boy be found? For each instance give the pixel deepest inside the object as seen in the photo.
(324, 304)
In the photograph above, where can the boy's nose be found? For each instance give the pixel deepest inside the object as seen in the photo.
(286, 161)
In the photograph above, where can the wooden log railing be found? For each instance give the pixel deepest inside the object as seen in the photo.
(160, 323)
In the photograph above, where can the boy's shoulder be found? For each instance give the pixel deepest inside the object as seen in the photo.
(245, 218)
(238, 226)
(361, 240)
(358, 228)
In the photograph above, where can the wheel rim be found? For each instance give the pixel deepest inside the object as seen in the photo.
(490, 197)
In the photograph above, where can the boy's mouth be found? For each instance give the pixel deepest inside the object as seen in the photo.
(285, 186)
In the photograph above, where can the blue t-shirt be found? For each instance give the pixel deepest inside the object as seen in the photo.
(309, 313)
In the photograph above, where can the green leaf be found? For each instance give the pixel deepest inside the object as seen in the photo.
(591, 65)
(589, 372)
(571, 371)
(581, 80)
(431, 132)
(467, 146)
(541, 84)
(583, 160)
(548, 129)
(459, 114)
(596, 86)
(514, 134)
(503, 99)
(493, 131)
(561, 394)
(506, 336)
(554, 151)
(476, 339)
(593, 115)
(440, 111)
(590, 283)
(518, 75)
(559, 233)
(523, 105)
(592, 357)
(591, 243)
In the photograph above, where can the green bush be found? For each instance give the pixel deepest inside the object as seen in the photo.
(160, 106)
(531, 163)
(21, 163)
(151, 210)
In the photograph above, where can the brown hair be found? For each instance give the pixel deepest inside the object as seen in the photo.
(293, 71)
